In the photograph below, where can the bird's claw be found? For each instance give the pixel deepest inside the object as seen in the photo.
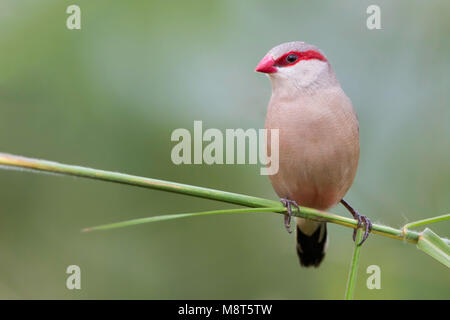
(287, 218)
(367, 227)
(361, 220)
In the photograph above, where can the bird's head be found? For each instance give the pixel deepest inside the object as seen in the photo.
(296, 64)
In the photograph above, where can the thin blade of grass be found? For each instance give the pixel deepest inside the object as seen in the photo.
(133, 222)
(426, 221)
(45, 166)
(352, 275)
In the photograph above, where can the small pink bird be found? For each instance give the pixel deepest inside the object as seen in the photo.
(318, 140)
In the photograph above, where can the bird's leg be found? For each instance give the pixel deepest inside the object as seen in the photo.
(361, 219)
(287, 218)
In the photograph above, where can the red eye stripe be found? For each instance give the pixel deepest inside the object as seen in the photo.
(305, 55)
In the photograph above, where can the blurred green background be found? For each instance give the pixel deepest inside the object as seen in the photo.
(109, 96)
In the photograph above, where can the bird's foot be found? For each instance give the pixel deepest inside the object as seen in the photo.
(361, 220)
(367, 227)
(287, 218)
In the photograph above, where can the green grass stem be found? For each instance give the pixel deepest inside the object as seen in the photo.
(353, 273)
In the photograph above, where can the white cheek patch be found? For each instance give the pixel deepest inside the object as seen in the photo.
(306, 72)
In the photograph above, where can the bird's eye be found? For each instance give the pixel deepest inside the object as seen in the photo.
(291, 58)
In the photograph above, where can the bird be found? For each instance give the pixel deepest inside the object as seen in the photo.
(318, 141)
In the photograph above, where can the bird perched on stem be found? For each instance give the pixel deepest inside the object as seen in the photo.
(318, 140)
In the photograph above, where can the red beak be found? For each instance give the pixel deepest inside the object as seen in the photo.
(266, 65)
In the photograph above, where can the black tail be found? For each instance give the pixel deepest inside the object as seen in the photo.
(311, 249)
